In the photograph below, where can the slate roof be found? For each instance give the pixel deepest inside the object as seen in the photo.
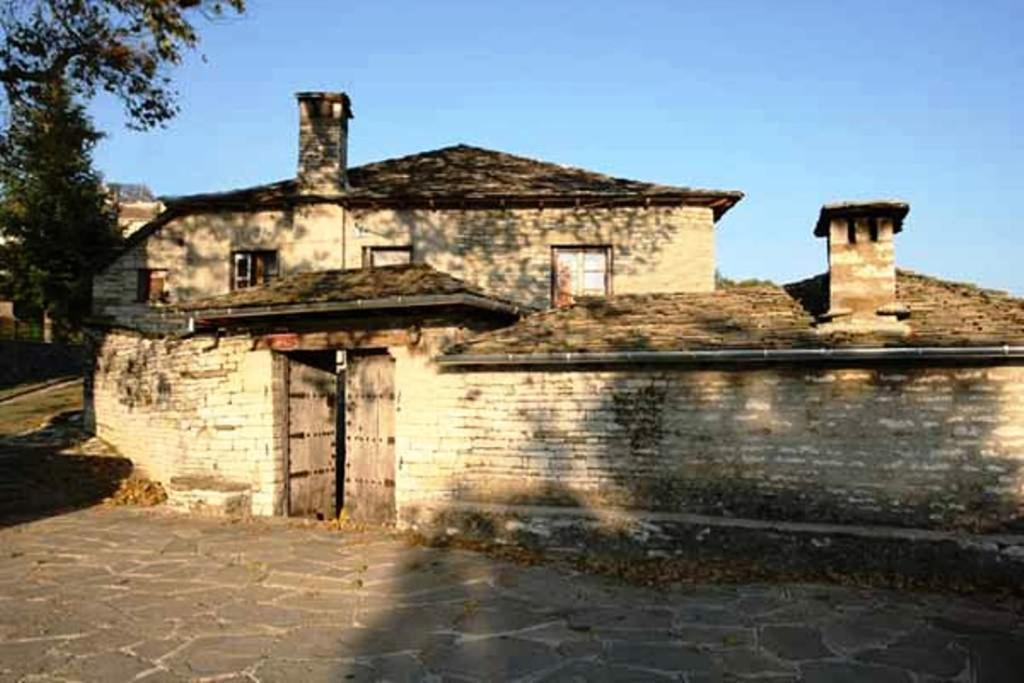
(460, 176)
(466, 175)
(341, 286)
(891, 208)
(464, 170)
(942, 313)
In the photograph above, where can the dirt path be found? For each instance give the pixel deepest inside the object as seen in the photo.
(33, 411)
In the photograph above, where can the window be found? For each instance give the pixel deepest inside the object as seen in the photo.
(253, 268)
(579, 271)
(386, 256)
(151, 286)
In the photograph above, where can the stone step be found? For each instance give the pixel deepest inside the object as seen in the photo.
(209, 495)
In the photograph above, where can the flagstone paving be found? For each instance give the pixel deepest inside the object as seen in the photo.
(131, 595)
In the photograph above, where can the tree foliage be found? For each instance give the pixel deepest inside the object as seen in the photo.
(123, 47)
(57, 224)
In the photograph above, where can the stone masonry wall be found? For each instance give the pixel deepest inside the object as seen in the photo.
(507, 253)
(30, 361)
(196, 252)
(935, 447)
(939, 447)
(200, 408)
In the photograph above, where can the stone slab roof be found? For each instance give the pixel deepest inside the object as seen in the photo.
(891, 208)
(460, 177)
(942, 314)
(400, 282)
(467, 175)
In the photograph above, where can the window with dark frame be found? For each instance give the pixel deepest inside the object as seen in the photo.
(386, 256)
(579, 271)
(151, 286)
(253, 268)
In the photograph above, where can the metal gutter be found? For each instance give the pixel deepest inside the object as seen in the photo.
(248, 312)
(739, 356)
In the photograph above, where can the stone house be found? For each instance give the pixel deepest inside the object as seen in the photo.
(469, 335)
(135, 205)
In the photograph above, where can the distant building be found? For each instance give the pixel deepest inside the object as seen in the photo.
(135, 204)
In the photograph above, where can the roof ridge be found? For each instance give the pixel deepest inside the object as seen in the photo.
(198, 196)
(971, 287)
(440, 151)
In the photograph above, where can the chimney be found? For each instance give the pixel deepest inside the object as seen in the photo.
(323, 141)
(862, 265)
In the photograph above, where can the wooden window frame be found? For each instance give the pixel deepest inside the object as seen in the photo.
(252, 255)
(144, 286)
(369, 251)
(609, 268)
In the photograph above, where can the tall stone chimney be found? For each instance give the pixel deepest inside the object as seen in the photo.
(862, 265)
(323, 141)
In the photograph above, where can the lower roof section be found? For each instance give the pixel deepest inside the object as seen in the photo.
(754, 324)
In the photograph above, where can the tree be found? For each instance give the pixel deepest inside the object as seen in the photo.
(58, 224)
(124, 47)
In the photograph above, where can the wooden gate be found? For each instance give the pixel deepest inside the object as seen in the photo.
(370, 438)
(312, 400)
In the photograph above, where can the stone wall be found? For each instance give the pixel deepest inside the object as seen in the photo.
(199, 408)
(923, 446)
(196, 252)
(507, 253)
(28, 361)
(938, 447)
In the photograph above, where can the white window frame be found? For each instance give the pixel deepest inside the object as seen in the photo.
(248, 258)
(579, 253)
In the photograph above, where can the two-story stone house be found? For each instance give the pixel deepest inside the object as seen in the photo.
(464, 331)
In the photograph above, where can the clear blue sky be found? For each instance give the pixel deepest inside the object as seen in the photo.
(795, 103)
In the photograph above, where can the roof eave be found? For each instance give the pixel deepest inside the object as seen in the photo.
(721, 201)
(749, 355)
(212, 316)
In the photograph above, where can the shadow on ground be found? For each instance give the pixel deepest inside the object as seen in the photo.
(126, 594)
(54, 469)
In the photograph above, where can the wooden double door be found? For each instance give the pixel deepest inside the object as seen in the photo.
(341, 458)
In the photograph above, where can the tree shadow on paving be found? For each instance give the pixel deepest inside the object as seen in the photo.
(406, 612)
(420, 613)
(55, 469)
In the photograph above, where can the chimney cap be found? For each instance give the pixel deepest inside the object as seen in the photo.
(888, 208)
(327, 96)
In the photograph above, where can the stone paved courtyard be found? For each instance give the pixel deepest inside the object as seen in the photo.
(108, 594)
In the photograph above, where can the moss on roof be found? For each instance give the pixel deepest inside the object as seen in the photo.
(942, 314)
(460, 173)
(341, 286)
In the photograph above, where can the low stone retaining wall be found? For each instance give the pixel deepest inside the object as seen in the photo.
(28, 361)
(740, 547)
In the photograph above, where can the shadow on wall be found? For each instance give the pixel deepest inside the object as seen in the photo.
(896, 445)
(508, 252)
(197, 251)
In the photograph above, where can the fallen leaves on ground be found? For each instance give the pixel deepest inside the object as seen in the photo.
(138, 491)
